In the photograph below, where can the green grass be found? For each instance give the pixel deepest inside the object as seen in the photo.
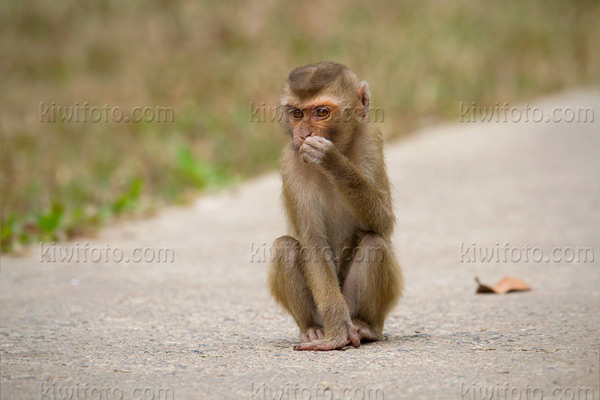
(208, 60)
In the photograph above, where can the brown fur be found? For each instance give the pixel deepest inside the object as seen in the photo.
(336, 195)
(309, 80)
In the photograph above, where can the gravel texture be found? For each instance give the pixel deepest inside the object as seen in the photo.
(205, 327)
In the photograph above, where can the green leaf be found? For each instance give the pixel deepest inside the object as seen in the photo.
(50, 222)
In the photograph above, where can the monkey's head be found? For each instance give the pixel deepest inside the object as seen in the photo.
(324, 99)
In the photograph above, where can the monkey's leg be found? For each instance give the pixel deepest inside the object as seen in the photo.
(290, 289)
(373, 285)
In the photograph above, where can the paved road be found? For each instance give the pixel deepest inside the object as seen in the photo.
(205, 327)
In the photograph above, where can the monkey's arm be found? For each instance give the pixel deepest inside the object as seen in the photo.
(370, 202)
(305, 214)
(324, 286)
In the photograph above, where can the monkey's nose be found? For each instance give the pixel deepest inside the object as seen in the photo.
(304, 131)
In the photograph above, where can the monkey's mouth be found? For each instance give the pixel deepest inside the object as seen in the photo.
(297, 145)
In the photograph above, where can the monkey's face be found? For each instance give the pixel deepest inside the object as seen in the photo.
(318, 117)
(325, 100)
(313, 118)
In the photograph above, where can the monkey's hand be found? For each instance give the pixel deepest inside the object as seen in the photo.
(336, 343)
(370, 201)
(315, 149)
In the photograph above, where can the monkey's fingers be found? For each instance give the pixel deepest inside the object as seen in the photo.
(322, 345)
(330, 344)
(318, 141)
(309, 158)
(311, 154)
(311, 334)
(320, 144)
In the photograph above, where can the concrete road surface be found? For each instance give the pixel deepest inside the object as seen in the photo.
(189, 316)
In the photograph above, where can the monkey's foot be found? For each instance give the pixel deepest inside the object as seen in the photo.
(365, 332)
(312, 334)
(332, 344)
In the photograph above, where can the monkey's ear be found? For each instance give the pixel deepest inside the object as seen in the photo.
(363, 94)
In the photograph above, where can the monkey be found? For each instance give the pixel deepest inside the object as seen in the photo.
(335, 271)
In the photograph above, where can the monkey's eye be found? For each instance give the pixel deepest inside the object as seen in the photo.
(295, 113)
(321, 112)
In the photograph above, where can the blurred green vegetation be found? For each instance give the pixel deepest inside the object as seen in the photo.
(208, 60)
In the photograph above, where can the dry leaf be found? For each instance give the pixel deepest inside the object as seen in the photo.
(506, 285)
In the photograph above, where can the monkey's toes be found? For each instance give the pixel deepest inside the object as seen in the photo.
(365, 332)
(353, 336)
